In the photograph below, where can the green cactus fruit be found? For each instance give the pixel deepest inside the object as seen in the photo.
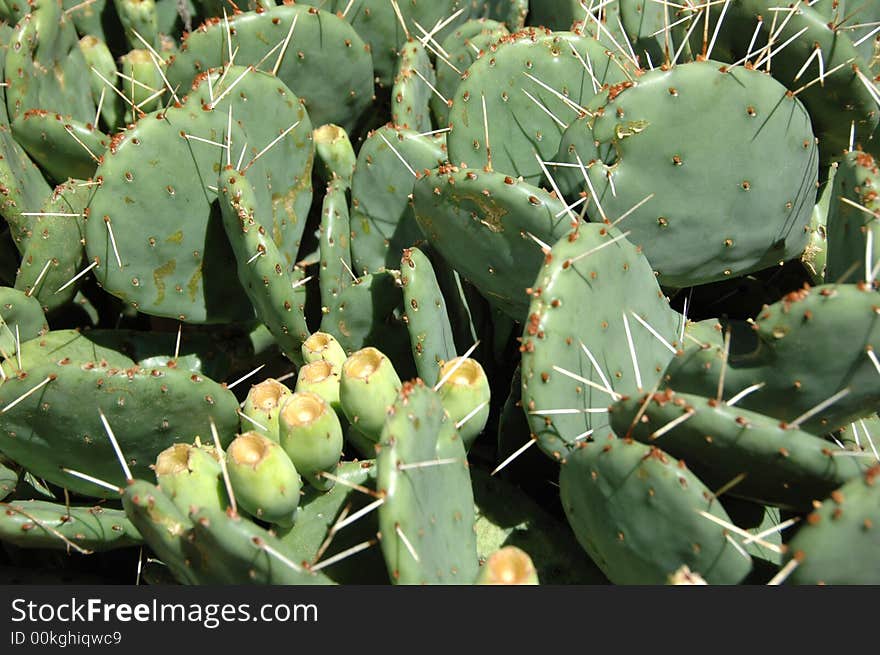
(427, 519)
(159, 244)
(319, 56)
(335, 154)
(142, 84)
(311, 435)
(52, 419)
(99, 58)
(261, 267)
(264, 480)
(599, 327)
(507, 516)
(754, 201)
(508, 566)
(368, 386)
(799, 384)
(414, 85)
(382, 222)
(161, 524)
(262, 405)
(138, 17)
(41, 524)
(851, 223)
(334, 239)
(228, 549)
(832, 87)
(53, 254)
(490, 228)
(430, 333)
(778, 466)
(640, 515)
(465, 395)
(191, 476)
(21, 319)
(467, 43)
(512, 13)
(8, 480)
(321, 346)
(539, 83)
(841, 539)
(321, 378)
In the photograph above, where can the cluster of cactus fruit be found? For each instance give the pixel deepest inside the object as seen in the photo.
(291, 292)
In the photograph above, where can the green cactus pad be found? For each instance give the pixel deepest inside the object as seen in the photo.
(780, 352)
(261, 266)
(55, 241)
(138, 17)
(485, 225)
(335, 153)
(23, 189)
(325, 62)
(99, 58)
(157, 195)
(382, 222)
(427, 321)
(519, 128)
(427, 519)
(636, 511)
(162, 525)
(852, 211)
(411, 94)
(280, 151)
(8, 480)
(835, 104)
(21, 319)
(701, 216)
(782, 466)
(335, 238)
(228, 549)
(583, 315)
(840, 542)
(38, 524)
(463, 46)
(59, 425)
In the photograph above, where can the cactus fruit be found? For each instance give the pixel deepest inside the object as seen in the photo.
(321, 346)
(311, 435)
(264, 480)
(508, 566)
(368, 386)
(262, 406)
(465, 396)
(191, 477)
(321, 378)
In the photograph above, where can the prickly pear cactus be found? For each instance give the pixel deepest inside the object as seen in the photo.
(427, 537)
